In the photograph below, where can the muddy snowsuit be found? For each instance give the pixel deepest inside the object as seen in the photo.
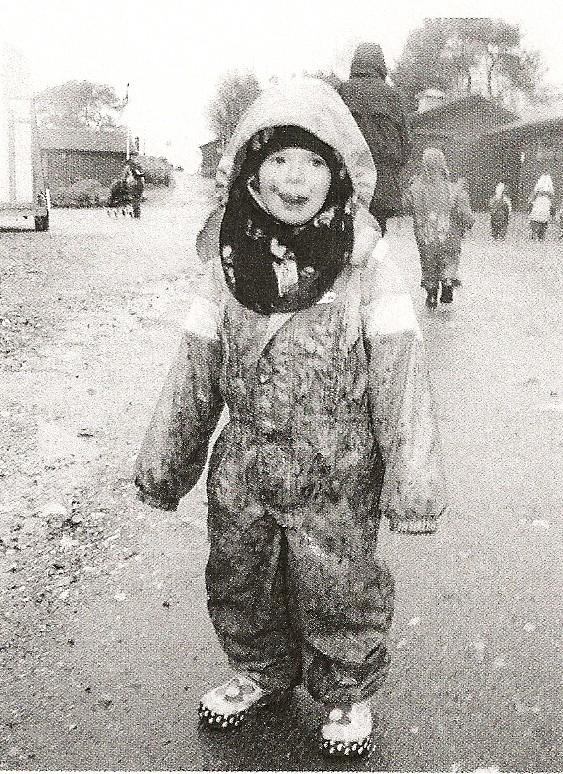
(330, 426)
(441, 216)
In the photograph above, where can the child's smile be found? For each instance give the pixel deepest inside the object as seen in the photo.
(293, 184)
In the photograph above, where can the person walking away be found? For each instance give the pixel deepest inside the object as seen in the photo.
(500, 208)
(378, 110)
(303, 327)
(541, 207)
(134, 178)
(544, 185)
(541, 211)
(441, 215)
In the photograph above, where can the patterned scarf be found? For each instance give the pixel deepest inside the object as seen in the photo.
(262, 256)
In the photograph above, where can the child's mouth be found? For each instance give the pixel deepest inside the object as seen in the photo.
(293, 200)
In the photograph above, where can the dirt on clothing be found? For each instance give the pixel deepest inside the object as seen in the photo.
(105, 641)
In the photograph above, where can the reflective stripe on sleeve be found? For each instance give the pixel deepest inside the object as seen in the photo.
(201, 318)
(391, 313)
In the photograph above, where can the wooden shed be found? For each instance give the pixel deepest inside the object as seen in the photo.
(70, 154)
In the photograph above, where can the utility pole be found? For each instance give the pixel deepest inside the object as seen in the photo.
(123, 107)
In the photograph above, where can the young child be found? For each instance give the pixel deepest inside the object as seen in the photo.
(304, 329)
(500, 208)
(441, 216)
(541, 212)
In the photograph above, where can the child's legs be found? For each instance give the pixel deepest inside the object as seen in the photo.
(343, 605)
(542, 230)
(429, 264)
(246, 589)
(449, 266)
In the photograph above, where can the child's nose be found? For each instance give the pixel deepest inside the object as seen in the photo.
(295, 171)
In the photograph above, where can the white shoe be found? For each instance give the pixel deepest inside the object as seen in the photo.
(348, 730)
(228, 705)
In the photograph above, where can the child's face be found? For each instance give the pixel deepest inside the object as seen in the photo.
(293, 184)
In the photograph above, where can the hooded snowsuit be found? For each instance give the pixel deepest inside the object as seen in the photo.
(378, 111)
(331, 424)
(441, 215)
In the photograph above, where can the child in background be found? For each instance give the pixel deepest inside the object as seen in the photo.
(304, 329)
(541, 207)
(500, 208)
(541, 212)
(441, 215)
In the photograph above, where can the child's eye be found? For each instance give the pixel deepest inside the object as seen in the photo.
(317, 161)
(279, 160)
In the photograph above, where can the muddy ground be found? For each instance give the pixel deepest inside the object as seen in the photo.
(105, 644)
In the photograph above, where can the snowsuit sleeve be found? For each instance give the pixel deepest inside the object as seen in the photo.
(174, 450)
(401, 405)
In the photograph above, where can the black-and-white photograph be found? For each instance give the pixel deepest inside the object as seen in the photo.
(281, 386)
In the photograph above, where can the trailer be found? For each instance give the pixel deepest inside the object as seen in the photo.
(24, 194)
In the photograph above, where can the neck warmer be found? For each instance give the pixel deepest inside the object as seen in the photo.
(272, 266)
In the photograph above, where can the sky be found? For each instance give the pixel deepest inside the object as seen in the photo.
(174, 52)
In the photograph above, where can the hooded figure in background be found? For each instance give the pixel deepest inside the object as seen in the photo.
(500, 208)
(542, 207)
(305, 331)
(441, 215)
(378, 111)
(544, 185)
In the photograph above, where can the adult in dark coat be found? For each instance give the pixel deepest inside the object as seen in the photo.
(378, 110)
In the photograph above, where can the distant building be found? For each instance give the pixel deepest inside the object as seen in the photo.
(519, 152)
(211, 153)
(456, 126)
(430, 99)
(70, 154)
(451, 124)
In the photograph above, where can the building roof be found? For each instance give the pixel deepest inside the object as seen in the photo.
(69, 138)
(431, 93)
(462, 104)
(541, 119)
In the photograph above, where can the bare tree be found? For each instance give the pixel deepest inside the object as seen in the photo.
(235, 93)
(79, 104)
(450, 53)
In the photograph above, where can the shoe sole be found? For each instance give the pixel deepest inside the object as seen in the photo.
(219, 722)
(334, 749)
